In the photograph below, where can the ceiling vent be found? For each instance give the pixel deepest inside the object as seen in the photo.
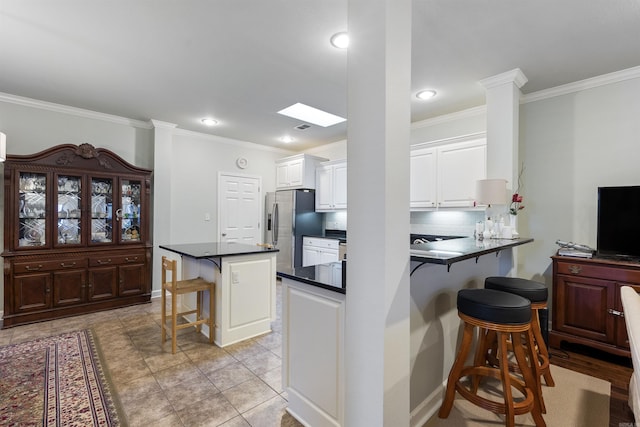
(302, 127)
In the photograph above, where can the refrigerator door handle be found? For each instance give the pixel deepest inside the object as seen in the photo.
(276, 224)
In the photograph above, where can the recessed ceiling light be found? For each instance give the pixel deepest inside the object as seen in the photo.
(209, 122)
(311, 115)
(287, 139)
(340, 40)
(426, 94)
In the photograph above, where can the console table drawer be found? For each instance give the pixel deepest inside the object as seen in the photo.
(598, 271)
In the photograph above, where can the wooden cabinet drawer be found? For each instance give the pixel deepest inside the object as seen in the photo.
(598, 271)
(132, 258)
(49, 265)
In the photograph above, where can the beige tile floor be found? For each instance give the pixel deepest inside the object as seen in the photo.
(201, 385)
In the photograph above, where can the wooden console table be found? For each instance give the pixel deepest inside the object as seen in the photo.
(587, 308)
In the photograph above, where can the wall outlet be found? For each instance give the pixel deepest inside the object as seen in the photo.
(207, 216)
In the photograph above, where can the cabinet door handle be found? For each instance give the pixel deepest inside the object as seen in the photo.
(30, 268)
(615, 312)
(104, 262)
(127, 259)
(63, 265)
(575, 269)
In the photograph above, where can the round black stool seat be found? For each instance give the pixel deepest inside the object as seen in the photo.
(494, 306)
(533, 291)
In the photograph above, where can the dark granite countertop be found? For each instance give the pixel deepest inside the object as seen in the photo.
(444, 252)
(318, 275)
(448, 252)
(216, 249)
(331, 234)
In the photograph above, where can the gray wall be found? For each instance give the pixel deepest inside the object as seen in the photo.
(570, 145)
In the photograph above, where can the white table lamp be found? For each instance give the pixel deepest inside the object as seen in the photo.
(491, 191)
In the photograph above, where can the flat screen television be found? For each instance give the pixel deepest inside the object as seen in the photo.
(619, 222)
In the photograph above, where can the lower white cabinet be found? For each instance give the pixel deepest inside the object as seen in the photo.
(318, 250)
(313, 353)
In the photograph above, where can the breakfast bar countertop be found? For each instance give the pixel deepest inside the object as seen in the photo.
(216, 249)
(447, 252)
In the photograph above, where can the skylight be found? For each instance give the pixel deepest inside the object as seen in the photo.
(311, 115)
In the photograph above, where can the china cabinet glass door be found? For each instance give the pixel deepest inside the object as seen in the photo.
(31, 209)
(101, 210)
(69, 204)
(129, 212)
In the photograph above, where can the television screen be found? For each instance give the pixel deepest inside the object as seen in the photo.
(619, 222)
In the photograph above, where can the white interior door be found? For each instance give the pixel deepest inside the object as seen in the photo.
(239, 208)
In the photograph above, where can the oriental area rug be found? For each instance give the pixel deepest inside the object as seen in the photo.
(55, 381)
(577, 400)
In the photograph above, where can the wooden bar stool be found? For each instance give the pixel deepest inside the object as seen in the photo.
(182, 287)
(537, 293)
(508, 316)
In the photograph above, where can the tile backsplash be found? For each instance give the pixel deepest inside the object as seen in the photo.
(335, 220)
(446, 223)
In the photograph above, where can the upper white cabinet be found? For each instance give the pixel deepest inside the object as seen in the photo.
(297, 171)
(445, 176)
(422, 180)
(331, 186)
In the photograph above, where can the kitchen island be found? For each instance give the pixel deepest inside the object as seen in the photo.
(314, 314)
(245, 277)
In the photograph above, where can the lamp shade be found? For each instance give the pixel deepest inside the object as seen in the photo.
(3, 147)
(491, 191)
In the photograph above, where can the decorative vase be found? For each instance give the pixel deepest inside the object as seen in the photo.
(513, 222)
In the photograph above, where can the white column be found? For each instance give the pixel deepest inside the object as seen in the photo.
(503, 110)
(162, 154)
(503, 161)
(378, 298)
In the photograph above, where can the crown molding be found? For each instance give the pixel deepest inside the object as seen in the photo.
(233, 142)
(446, 118)
(593, 82)
(161, 124)
(73, 111)
(515, 76)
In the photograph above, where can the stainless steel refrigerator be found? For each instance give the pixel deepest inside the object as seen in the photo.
(290, 214)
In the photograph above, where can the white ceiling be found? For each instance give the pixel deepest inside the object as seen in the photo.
(241, 61)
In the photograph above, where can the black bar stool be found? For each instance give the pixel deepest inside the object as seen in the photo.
(508, 316)
(537, 293)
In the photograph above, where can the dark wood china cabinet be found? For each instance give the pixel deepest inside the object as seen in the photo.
(76, 233)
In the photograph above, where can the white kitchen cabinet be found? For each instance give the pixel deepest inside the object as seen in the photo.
(318, 250)
(297, 171)
(331, 186)
(313, 353)
(444, 176)
(422, 179)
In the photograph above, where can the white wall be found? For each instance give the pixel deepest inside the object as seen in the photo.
(570, 145)
(197, 159)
